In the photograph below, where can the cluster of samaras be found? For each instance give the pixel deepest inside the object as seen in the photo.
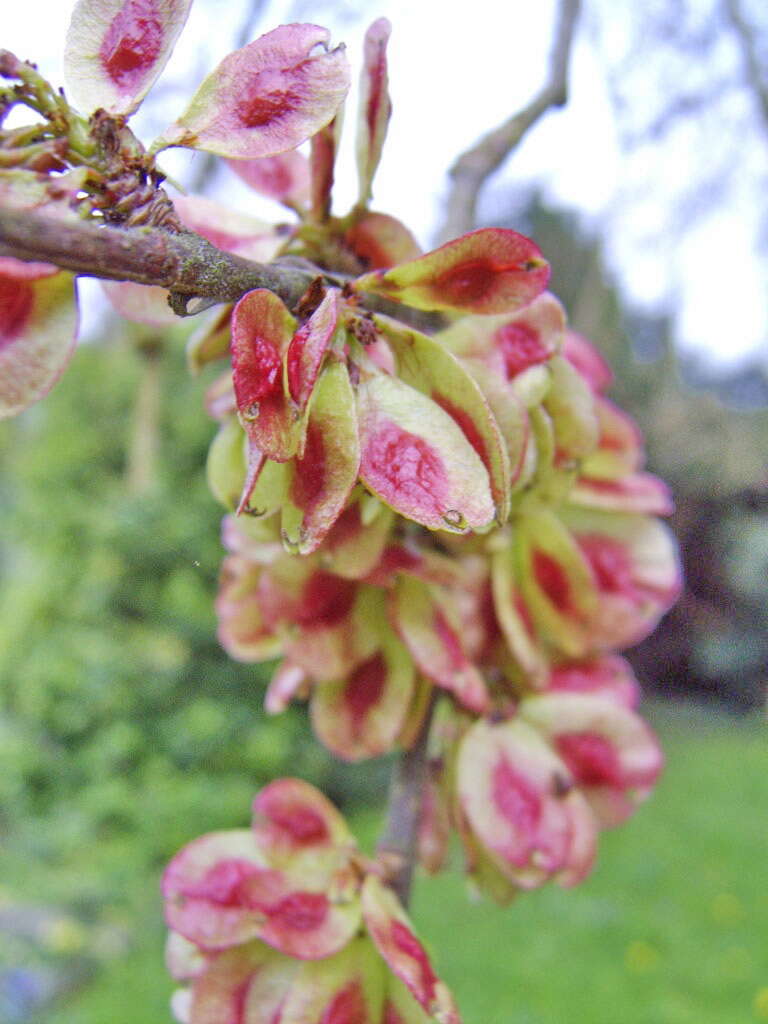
(288, 923)
(498, 423)
(448, 530)
(514, 625)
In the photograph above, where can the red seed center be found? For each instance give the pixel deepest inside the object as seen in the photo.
(301, 911)
(347, 1007)
(258, 373)
(407, 466)
(325, 600)
(610, 563)
(553, 580)
(266, 97)
(225, 883)
(132, 42)
(364, 689)
(467, 282)
(593, 761)
(516, 799)
(521, 347)
(302, 824)
(15, 305)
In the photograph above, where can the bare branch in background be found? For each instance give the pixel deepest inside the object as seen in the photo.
(756, 70)
(472, 169)
(679, 108)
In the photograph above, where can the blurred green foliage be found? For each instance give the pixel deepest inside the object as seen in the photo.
(124, 728)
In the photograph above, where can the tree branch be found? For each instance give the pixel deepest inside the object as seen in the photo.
(472, 169)
(756, 74)
(184, 263)
(399, 839)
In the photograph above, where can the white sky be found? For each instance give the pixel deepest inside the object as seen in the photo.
(453, 79)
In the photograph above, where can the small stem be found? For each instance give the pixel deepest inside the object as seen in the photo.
(399, 839)
(36, 92)
(30, 157)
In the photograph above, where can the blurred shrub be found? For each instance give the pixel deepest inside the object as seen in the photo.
(124, 729)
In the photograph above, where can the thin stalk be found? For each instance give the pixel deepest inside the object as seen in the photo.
(398, 841)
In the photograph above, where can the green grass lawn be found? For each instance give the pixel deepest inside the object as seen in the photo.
(671, 928)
